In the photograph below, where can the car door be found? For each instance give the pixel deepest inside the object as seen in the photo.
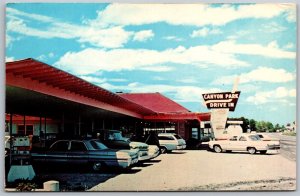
(58, 152)
(241, 144)
(167, 141)
(78, 153)
(231, 144)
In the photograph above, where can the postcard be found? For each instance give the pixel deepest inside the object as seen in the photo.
(150, 97)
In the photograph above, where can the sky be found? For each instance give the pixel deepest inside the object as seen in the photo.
(179, 50)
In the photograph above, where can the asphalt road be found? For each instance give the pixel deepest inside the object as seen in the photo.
(202, 170)
(191, 170)
(287, 145)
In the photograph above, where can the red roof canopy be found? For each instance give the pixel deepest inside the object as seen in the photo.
(155, 101)
(37, 76)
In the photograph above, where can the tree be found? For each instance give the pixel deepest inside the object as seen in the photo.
(269, 127)
(277, 127)
(252, 124)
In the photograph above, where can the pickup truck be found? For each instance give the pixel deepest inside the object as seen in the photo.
(245, 142)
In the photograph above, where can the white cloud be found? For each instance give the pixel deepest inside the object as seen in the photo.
(188, 80)
(188, 14)
(221, 54)
(9, 59)
(173, 38)
(157, 68)
(203, 32)
(143, 35)
(44, 57)
(8, 40)
(117, 80)
(273, 27)
(289, 45)
(179, 93)
(113, 37)
(238, 34)
(280, 94)
(261, 74)
(159, 78)
(93, 79)
(14, 12)
(91, 60)
(271, 50)
(110, 37)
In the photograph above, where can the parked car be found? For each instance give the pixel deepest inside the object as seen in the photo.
(265, 137)
(153, 143)
(245, 142)
(7, 143)
(114, 139)
(90, 152)
(171, 141)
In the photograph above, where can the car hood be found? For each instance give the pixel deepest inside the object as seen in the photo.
(131, 152)
(181, 142)
(138, 145)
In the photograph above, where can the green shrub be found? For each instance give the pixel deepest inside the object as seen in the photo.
(26, 186)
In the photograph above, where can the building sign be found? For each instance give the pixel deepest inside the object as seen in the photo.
(218, 120)
(221, 100)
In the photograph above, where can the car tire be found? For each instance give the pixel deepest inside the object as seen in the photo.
(263, 152)
(97, 166)
(217, 149)
(251, 150)
(163, 150)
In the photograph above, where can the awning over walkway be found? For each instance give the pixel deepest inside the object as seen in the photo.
(32, 75)
(179, 117)
(156, 102)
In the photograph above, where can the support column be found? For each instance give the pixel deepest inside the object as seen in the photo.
(63, 123)
(45, 130)
(24, 124)
(79, 126)
(10, 135)
(40, 126)
(103, 124)
(199, 132)
(93, 125)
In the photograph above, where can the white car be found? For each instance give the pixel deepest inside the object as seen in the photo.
(153, 151)
(143, 150)
(265, 137)
(170, 141)
(245, 142)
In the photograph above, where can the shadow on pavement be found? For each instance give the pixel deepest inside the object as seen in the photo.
(176, 152)
(80, 179)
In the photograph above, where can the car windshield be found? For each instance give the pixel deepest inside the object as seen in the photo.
(114, 136)
(261, 136)
(177, 136)
(98, 145)
(254, 137)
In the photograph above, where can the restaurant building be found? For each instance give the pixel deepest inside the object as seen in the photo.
(44, 101)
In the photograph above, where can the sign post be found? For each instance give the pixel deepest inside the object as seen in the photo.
(220, 104)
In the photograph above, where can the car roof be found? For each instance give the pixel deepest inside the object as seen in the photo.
(167, 134)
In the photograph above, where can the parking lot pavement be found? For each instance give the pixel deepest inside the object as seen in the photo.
(205, 170)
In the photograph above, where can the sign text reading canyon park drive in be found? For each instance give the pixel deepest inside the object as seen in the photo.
(221, 100)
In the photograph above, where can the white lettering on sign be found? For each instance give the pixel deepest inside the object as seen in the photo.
(221, 96)
(231, 96)
(218, 105)
(213, 96)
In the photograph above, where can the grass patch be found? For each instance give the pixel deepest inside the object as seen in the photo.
(289, 133)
